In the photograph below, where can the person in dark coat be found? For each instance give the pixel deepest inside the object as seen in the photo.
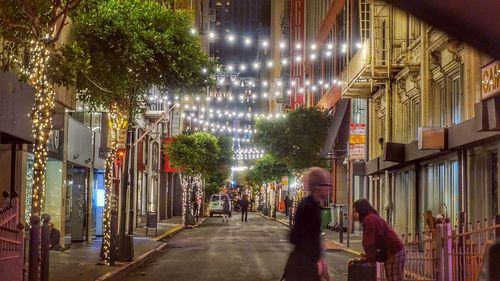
(244, 203)
(306, 263)
(288, 205)
(379, 237)
(55, 238)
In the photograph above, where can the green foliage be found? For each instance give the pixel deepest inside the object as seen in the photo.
(202, 153)
(194, 153)
(269, 168)
(296, 140)
(22, 22)
(122, 48)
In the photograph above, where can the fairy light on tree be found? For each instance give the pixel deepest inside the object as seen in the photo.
(34, 27)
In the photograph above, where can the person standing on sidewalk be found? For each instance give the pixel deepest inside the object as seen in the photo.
(244, 207)
(288, 205)
(225, 210)
(306, 262)
(380, 242)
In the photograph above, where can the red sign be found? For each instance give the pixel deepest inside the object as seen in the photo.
(167, 167)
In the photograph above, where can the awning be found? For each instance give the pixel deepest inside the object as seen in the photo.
(333, 129)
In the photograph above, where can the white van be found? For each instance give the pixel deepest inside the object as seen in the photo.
(216, 205)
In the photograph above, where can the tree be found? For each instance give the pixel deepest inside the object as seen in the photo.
(121, 50)
(220, 172)
(32, 29)
(199, 155)
(296, 140)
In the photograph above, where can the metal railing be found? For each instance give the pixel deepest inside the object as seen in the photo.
(11, 243)
(446, 255)
(469, 245)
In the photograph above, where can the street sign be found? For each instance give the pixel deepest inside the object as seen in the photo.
(357, 141)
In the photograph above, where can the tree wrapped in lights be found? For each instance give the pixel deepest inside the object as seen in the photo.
(199, 155)
(117, 57)
(33, 29)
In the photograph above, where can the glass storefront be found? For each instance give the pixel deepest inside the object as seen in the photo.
(98, 202)
(76, 206)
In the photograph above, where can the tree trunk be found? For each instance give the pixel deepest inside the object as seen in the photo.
(42, 124)
(116, 121)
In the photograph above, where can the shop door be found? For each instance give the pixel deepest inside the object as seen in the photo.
(79, 205)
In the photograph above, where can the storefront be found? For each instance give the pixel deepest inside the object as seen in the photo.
(78, 198)
(98, 189)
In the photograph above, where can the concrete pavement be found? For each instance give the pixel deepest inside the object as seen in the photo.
(234, 251)
(81, 261)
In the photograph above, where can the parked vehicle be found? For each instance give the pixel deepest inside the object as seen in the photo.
(216, 204)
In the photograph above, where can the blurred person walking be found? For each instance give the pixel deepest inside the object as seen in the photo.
(306, 262)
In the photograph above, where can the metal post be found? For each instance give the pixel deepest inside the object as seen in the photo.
(126, 242)
(34, 253)
(497, 231)
(341, 227)
(447, 250)
(13, 168)
(44, 272)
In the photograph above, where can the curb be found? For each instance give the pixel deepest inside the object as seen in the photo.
(342, 248)
(142, 259)
(276, 220)
(200, 221)
(169, 233)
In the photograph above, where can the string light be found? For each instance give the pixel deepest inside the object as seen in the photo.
(116, 122)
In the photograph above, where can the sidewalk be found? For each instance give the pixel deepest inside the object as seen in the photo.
(81, 261)
(331, 238)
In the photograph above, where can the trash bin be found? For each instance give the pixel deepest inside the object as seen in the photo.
(326, 217)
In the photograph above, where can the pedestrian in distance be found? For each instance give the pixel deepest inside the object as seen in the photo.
(306, 262)
(244, 203)
(288, 205)
(380, 242)
(225, 210)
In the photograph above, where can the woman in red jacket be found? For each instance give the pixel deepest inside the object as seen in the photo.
(380, 242)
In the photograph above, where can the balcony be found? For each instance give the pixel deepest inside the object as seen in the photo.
(371, 67)
(357, 76)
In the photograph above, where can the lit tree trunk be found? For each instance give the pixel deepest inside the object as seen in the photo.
(116, 121)
(42, 123)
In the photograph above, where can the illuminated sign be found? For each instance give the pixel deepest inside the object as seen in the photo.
(490, 79)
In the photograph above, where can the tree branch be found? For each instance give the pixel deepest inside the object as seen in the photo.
(64, 13)
(95, 84)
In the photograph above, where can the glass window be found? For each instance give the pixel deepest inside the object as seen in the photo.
(457, 104)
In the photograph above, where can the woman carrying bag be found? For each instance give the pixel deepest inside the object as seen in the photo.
(380, 242)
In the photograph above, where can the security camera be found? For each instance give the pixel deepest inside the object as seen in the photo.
(346, 161)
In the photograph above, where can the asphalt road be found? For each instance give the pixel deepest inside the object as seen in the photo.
(234, 251)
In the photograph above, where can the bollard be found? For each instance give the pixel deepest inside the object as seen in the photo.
(34, 252)
(45, 248)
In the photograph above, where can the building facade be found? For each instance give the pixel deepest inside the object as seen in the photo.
(428, 148)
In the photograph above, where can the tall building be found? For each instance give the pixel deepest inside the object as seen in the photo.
(420, 115)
